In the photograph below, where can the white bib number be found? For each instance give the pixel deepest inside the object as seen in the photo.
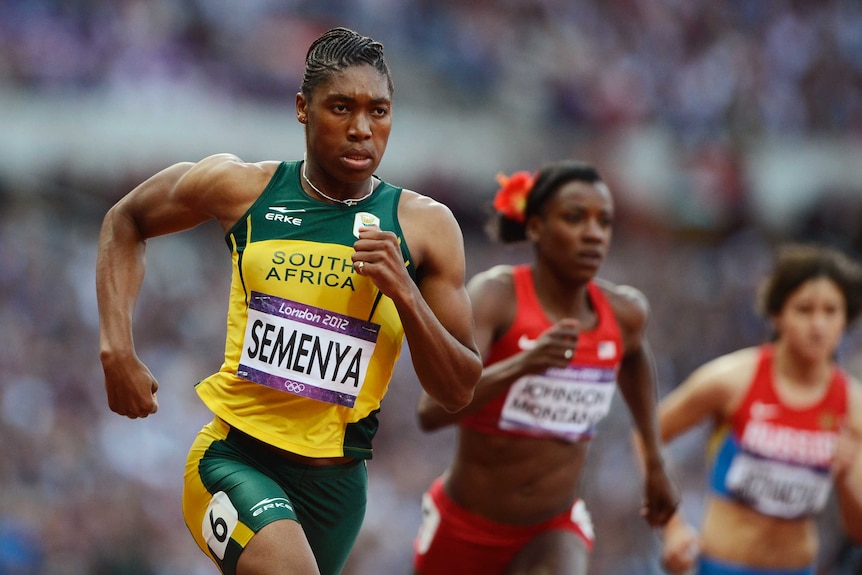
(306, 350)
(220, 520)
(776, 488)
(566, 403)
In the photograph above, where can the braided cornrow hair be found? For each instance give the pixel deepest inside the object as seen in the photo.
(337, 49)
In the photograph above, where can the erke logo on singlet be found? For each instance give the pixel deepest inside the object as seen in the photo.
(364, 220)
(282, 214)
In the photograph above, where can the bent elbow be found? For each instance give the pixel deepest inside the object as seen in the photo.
(462, 397)
(458, 404)
(437, 409)
(456, 400)
(428, 423)
(464, 394)
(435, 414)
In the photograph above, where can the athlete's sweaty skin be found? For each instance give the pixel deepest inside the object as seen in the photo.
(810, 298)
(582, 324)
(345, 105)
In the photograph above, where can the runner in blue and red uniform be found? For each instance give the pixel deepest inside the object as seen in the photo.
(787, 423)
(556, 342)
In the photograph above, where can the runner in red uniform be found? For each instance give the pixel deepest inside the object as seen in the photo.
(556, 343)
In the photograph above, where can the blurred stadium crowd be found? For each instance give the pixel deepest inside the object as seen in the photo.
(692, 110)
(704, 68)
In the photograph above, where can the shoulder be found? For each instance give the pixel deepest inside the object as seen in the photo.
(413, 206)
(623, 295)
(496, 281)
(716, 388)
(738, 365)
(630, 305)
(492, 296)
(229, 171)
(225, 186)
(727, 376)
(430, 230)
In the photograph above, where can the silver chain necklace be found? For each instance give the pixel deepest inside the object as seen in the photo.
(349, 201)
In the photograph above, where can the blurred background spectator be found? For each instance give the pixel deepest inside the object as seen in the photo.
(723, 128)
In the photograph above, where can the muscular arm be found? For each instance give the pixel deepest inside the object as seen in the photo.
(431, 414)
(709, 393)
(177, 198)
(120, 266)
(435, 312)
(638, 388)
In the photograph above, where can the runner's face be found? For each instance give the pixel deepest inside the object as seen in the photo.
(813, 319)
(574, 233)
(348, 124)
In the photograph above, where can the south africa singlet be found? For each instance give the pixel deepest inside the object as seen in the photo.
(311, 345)
(776, 459)
(565, 403)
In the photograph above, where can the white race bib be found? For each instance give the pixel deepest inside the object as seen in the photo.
(778, 489)
(566, 403)
(306, 350)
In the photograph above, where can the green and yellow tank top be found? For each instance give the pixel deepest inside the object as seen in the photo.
(311, 345)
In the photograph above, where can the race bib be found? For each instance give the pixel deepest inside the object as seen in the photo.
(778, 489)
(566, 403)
(306, 350)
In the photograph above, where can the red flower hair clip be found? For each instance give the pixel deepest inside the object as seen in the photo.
(511, 198)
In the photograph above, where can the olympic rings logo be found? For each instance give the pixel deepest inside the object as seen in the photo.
(294, 387)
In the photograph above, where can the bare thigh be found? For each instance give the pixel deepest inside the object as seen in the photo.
(280, 548)
(552, 553)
